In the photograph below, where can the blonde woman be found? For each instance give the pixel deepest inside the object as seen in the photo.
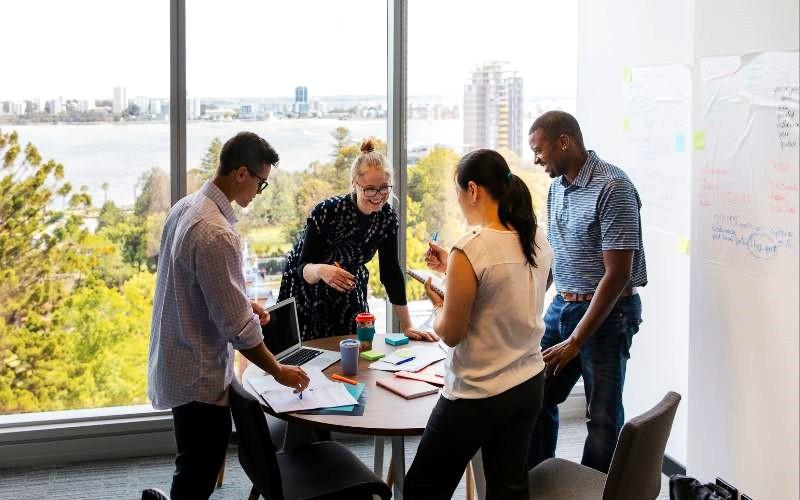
(325, 271)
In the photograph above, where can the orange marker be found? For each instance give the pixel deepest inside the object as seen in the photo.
(340, 378)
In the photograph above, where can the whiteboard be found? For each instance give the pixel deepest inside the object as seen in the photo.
(747, 147)
(657, 143)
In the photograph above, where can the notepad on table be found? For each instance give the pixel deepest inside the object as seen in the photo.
(430, 375)
(407, 388)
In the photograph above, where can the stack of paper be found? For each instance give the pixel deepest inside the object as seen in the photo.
(321, 393)
(423, 356)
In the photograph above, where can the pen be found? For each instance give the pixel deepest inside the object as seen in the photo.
(405, 360)
(336, 376)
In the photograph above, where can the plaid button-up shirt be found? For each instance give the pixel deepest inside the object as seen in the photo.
(200, 310)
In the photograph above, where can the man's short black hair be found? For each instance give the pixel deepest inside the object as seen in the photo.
(554, 123)
(246, 149)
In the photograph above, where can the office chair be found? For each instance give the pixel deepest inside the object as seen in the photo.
(635, 472)
(322, 470)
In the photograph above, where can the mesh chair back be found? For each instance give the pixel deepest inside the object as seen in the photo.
(635, 471)
(256, 449)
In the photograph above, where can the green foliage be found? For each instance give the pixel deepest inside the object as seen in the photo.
(38, 244)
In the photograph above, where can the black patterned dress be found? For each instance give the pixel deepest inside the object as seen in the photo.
(336, 231)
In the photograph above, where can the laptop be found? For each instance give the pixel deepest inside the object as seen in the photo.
(282, 337)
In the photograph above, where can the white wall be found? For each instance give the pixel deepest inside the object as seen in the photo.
(734, 355)
(743, 363)
(614, 34)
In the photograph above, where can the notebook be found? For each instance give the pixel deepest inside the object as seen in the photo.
(407, 388)
(437, 283)
(429, 375)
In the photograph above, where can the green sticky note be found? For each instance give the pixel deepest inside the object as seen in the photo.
(626, 124)
(372, 355)
(627, 74)
(699, 140)
(404, 353)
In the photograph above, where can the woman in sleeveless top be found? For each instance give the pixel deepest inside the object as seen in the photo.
(491, 317)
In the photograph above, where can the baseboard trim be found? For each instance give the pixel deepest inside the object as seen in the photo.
(671, 466)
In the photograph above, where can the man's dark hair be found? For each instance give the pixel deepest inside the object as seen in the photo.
(554, 123)
(246, 149)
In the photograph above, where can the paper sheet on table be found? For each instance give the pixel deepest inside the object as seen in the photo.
(424, 357)
(321, 393)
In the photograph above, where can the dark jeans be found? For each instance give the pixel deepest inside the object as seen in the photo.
(202, 431)
(500, 426)
(601, 362)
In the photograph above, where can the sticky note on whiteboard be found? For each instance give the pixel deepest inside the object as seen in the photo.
(627, 74)
(699, 140)
(626, 124)
(683, 245)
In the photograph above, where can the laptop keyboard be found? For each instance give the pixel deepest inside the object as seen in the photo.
(297, 358)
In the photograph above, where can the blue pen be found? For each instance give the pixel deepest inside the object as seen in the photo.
(405, 360)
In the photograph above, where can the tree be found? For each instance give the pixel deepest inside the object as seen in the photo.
(154, 194)
(37, 244)
(104, 187)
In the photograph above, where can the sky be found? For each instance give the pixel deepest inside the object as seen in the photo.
(83, 48)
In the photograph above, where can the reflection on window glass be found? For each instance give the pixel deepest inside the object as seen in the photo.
(313, 85)
(502, 72)
(84, 192)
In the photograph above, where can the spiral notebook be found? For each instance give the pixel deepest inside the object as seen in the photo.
(437, 283)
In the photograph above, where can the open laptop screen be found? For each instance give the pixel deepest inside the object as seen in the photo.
(282, 332)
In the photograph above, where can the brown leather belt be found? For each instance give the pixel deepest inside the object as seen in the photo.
(585, 297)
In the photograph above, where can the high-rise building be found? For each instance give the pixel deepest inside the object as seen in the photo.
(120, 103)
(493, 108)
(300, 100)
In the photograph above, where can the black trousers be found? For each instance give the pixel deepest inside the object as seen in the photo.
(202, 432)
(500, 426)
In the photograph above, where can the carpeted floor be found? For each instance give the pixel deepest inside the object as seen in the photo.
(126, 478)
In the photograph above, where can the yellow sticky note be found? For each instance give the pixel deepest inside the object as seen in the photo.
(699, 140)
(683, 245)
(627, 74)
(626, 124)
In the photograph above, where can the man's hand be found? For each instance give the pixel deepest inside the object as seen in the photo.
(436, 257)
(263, 315)
(336, 277)
(559, 355)
(292, 376)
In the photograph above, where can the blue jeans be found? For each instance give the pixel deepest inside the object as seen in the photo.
(601, 362)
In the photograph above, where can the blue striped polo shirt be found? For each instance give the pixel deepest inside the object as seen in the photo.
(599, 211)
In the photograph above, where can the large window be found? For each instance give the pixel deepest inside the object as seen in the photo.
(83, 194)
(311, 79)
(504, 66)
(80, 234)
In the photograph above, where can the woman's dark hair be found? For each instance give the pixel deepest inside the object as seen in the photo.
(487, 168)
(246, 149)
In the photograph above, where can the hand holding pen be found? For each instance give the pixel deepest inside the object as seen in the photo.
(436, 257)
(336, 277)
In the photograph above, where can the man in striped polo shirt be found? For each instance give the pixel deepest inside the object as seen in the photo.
(595, 231)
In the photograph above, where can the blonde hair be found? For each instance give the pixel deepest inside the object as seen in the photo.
(369, 158)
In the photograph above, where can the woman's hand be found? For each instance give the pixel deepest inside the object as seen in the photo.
(337, 278)
(292, 376)
(415, 334)
(436, 257)
(436, 299)
(263, 315)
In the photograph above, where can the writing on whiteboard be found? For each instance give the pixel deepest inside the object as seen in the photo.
(762, 242)
(788, 123)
